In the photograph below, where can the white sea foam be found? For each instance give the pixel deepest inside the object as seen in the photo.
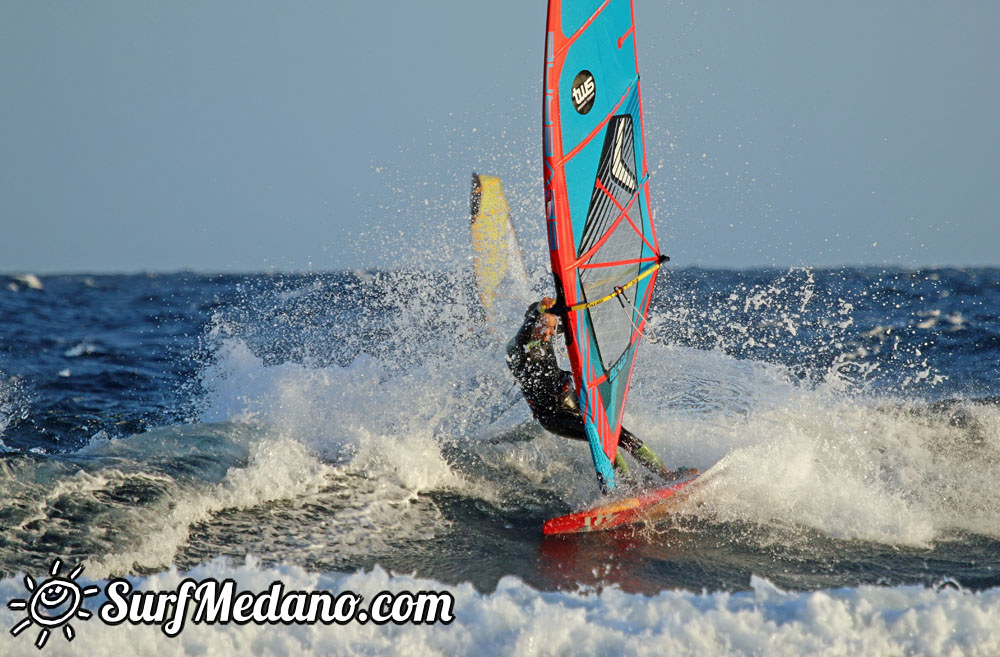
(131, 503)
(31, 280)
(518, 620)
(782, 453)
(378, 431)
(360, 413)
(13, 403)
(787, 454)
(363, 441)
(83, 349)
(276, 469)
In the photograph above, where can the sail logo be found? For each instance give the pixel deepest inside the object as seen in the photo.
(619, 168)
(584, 91)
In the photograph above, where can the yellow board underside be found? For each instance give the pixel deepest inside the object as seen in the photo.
(492, 241)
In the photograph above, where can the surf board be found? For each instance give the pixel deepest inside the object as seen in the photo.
(644, 508)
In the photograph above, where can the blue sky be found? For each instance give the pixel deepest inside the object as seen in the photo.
(238, 136)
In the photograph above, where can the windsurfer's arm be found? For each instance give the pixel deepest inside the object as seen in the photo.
(517, 348)
(535, 334)
(567, 395)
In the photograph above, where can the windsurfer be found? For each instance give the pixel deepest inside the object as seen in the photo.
(550, 393)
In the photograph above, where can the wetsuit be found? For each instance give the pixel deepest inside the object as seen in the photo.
(550, 393)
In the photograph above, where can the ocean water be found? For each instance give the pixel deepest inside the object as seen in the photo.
(355, 431)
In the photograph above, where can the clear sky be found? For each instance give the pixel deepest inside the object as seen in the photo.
(239, 135)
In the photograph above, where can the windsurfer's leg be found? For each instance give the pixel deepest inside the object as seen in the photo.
(650, 460)
(567, 424)
(642, 454)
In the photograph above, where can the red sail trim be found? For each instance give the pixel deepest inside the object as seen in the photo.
(583, 28)
(642, 140)
(643, 310)
(599, 380)
(621, 40)
(595, 413)
(585, 352)
(604, 238)
(604, 429)
(625, 210)
(612, 436)
(638, 334)
(586, 140)
(647, 299)
(635, 48)
(618, 263)
(614, 226)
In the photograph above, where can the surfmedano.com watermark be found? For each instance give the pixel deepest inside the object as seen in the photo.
(58, 600)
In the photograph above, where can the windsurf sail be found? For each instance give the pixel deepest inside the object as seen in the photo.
(499, 269)
(602, 244)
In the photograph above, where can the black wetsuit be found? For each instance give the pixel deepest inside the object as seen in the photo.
(549, 390)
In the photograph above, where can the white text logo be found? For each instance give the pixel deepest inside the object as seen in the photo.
(58, 600)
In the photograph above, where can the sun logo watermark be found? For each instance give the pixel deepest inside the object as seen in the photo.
(53, 603)
(58, 600)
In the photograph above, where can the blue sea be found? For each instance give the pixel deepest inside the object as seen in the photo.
(359, 431)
